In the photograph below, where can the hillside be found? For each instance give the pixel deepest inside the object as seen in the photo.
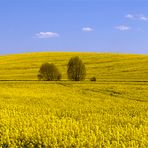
(62, 114)
(105, 66)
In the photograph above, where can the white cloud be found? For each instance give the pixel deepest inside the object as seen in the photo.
(137, 17)
(87, 29)
(144, 18)
(123, 28)
(43, 35)
(130, 16)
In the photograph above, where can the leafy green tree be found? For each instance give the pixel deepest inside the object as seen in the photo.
(76, 70)
(49, 72)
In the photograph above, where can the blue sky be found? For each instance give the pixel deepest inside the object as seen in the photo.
(74, 25)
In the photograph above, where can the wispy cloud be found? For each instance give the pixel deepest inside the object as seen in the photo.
(144, 18)
(137, 17)
(130, 16)
(123, 28)
(87, 29)
(44, 35)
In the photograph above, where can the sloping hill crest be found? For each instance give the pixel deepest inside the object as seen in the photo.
(105, 66)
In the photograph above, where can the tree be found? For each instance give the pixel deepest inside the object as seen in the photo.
(76, 69)
(49, 72)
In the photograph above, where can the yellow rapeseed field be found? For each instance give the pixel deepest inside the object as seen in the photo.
(109, 113)
(105, 66)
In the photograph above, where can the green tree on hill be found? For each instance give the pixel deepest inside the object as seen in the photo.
(76, 70)
(49, 72)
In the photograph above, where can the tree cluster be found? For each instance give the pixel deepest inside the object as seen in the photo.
(76, 71)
